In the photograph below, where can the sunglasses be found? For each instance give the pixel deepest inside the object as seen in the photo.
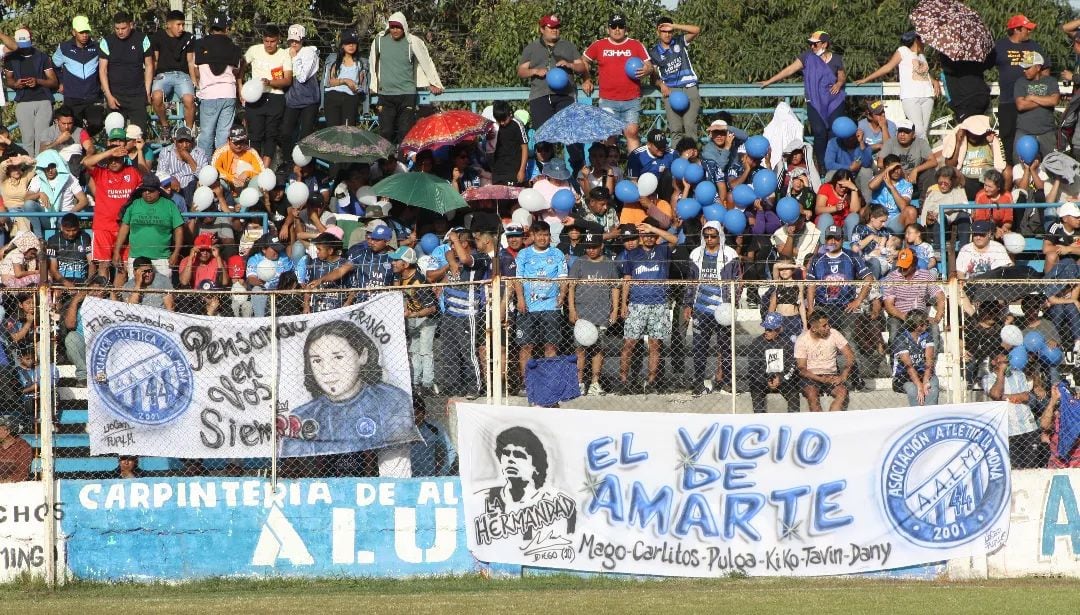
(710, 235)
(719, 133)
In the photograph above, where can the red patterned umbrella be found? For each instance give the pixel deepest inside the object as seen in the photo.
(446, 128)
(953, 28)
(492, 192)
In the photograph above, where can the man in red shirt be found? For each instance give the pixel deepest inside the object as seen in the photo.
(619, 94)
(113, 178)
(15, 454)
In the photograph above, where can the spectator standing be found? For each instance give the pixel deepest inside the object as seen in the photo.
(114, 178)
(462, 325)
(715, 266)
(918, 87)
(549, 51)
(304, 96)
(671, 58)
(914, 357)
(982, 253)
(1050, 423)
(32, 75)
(15, 454)
(595, 302)
(328, 258)
(421, 306)
(173, 55)
(274, 67)
(1036, 97)
(645, 307)
(346, 82)
(541, 293)
(511, 147)
(773, 368)
(620, 94)
(126, 70)
(1015, 387)
(368, 267)
(154, 228)
(68, 253)
(215, 67)
(74, 342)
(400, 65)
(909, 288)
(816, 352)
(77, 61)
(1007, 55)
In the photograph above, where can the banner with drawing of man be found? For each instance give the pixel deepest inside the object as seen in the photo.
(176, 385)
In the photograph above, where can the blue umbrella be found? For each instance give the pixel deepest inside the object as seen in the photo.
(579, 123)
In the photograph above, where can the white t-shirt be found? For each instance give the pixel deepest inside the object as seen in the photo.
(67, 197)
(935, 197)
(267, 66)
(914, 75)
(970, 261)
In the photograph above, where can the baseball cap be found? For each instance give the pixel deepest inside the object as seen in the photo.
(1069, 209)
(183, 133)
(236, 266)
(982, 227)
(834, 231)
(1032, 58)
(382, 232)
(627, 232)
(238, 134)
(133, 132)
(820, 36)
(350, 36)
(22, 38)
(297, 32)
(405, 254)
(617, 21)
(907, 125)
(876, 108)
(600, 193)
(514, 230)
(593, 239)
(219, 22)
(1019, 21)
(718, 125)
(556, 169)
(905, 258)
(204, 241)
(550, 21)
(117, 134)
(80, 23)
(772, 321)
(657, 138)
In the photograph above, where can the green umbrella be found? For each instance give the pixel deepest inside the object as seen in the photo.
(346, 144)
(422, 190)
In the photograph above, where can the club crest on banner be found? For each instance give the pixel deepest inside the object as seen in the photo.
(141, 375)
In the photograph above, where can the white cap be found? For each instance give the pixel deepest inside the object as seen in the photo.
(133, 131)
(905, 125)
(718, 125)
(297, 32)
(1068, 209)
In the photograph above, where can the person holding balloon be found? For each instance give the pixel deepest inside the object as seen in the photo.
(621, 63)
(678, 81)
(1008, 381)
(709, 305)
(1036, 96)
(592, 307)
(848, 150)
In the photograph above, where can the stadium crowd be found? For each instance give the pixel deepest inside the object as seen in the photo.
(854, 211)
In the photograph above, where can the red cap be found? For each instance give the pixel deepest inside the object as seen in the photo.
(236, 267)
(204, 241)
(550, 21)
(1019, 21)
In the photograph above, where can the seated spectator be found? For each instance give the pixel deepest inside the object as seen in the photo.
(267, 248)
(982, 254)
(554, 177)
(916, 157)
(69, 253)
(18, 269)
(600, 172)
(15, 454)
(798, 241)
(876, 128)
(893, 191)
(74, 338)
(799, 189)
(8, 149)
(204, 269)
(64, 136)
(1063, 238)
(838, 202)
(28, 373)
(871, 242)
(946, 192)
(652, 157)
(973, 149)
(54, 187)
(788, 300)
(773, 368)
(797, 161)
(19, 323)
(993, 193)
(915, 239)
(236, 161)
(906, 294)
(816, 353)
(852, 154)
(147, 287)
(15, 176)
(914, 358)
(182, 161)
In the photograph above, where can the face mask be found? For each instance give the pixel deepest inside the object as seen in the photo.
(819, 52)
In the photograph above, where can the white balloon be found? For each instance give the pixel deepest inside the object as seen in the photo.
(585, 333)
(532, 200)
(202, 199)
(366, 196)
(297, 194)
(300, 158)
(207, 175)
(1012, 335)
(266, 180)
(523, 217)
(113, 121)
(252, 91)
(647, 183)
(723, 314)
(1014, 242)
(249, 197)
(266, 270)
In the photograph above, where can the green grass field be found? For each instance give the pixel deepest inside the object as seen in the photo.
(551, 594)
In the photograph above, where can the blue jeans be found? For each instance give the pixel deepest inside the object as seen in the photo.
(216, 116)
(824, 221)
(35, 223)
(626, 110)
(1067, 320)
(931, 393)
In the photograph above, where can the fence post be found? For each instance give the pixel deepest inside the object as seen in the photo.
(274, 380)
(47, 408)
(495, 390)
(734, 310)
(957, 382)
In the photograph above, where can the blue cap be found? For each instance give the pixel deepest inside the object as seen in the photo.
(381, 232)
(772, 321)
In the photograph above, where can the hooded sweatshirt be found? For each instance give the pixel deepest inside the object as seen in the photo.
(53, 189)
(387, 54)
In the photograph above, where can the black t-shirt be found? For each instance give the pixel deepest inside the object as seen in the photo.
(507, 157)
(1007, 56)
(218, 51)
(171, 52)
(24, 63)
(771, 357)
(70, 256)
(1060, 237)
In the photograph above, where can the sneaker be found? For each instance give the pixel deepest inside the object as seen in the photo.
(434, 388)
(650, 388)
(594, 389)
(704, 388)
(582, 388)
(522, 393)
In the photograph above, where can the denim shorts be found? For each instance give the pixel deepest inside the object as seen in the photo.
(173, 83)
(626, 110)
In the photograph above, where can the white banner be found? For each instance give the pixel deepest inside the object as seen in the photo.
(22, 530)
(175, 385)
(1044, 537)
(705, 495)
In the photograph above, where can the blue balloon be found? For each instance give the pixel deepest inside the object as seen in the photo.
(428, 242)
(632, 66)
(627, 192)
(1027, 147)
(563, 201)
(557, 79)
(757, 146)
(705, 193)
(1034, 341)
(714, 213)
(843, 127)
(788, 210)
(1018, 358)
(678, 167)
(764, 183)
(743, 196)
(1052, 354)
(734, 221)
(679, 101)
(693, 173)
(688, 209)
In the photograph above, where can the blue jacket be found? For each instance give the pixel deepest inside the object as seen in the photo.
(838, 157)
(78, 70)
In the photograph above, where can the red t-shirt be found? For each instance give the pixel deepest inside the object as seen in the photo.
(111, 193)
(610, 59)
(999, 216)
(832, 199)
(204, 272)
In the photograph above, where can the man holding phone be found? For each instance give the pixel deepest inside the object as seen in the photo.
(31, 74)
